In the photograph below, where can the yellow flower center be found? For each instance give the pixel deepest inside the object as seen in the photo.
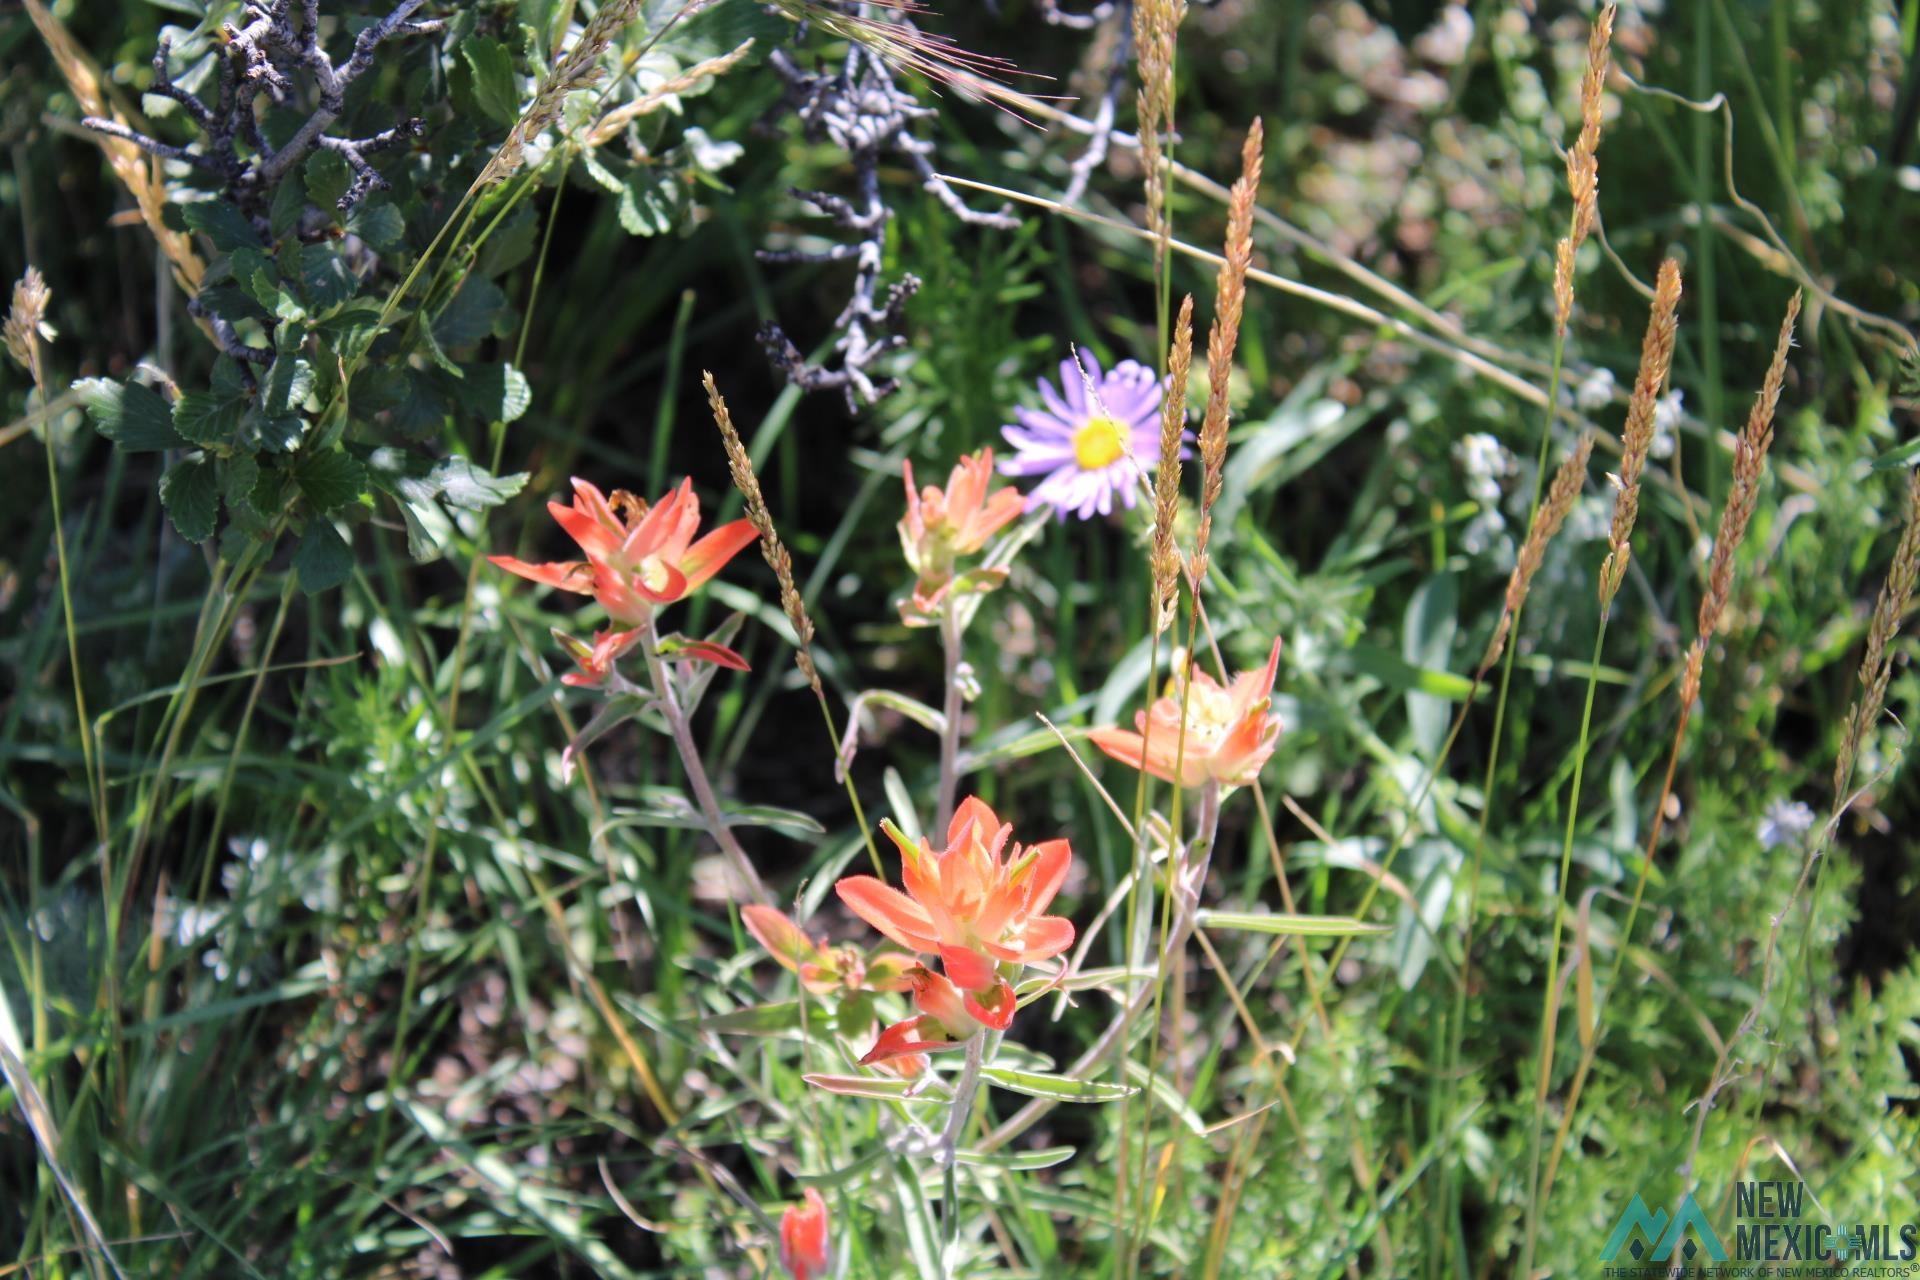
(652, 574)
(1099, 443)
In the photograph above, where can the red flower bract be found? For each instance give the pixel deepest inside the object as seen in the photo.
(978, 905)
(636, 560)
(1230, 732)
(805, 1234)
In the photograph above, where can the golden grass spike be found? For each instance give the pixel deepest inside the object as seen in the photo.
(25, 319)
(1656, 361)
(775, 551)
(1164, 557)
(1877, 666)
(1230, 296)
(1156, 32)
(1568, 479)
(1583, 173)
(1749, 463)
(138, 172)
(1583, 167)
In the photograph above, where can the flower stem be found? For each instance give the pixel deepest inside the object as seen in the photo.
(958, 1113)
(697, 771)
(951, 709)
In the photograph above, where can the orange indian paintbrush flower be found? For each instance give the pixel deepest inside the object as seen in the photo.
(1230, 732)
(978, 905)
(942, 525)
(805, 1237)
(638, 560)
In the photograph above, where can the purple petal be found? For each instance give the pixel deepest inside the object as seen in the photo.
(1043, 424)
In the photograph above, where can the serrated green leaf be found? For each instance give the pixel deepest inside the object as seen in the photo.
(461, 484)
(285, 389)
(134, 417)
(469, 315)
(190, 491)
(239, 485)
(598, 171)
(424, 407)
(647, 205)
(207, 418)
(324, 277)
(496, 90)
(330, 480)
(1040, 1084)
(494, 392)
(260, 431)
(323, 558)
(379, 225)
(222, 223)
(327, 179)
(289, 202)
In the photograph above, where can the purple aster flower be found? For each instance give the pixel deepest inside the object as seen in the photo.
(1090, 447)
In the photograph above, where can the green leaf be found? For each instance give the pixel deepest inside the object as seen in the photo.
(134, 417)
(289, 202)
(598, 171)
(1040, 1084)
(1902, 456)
(239, 485)
(324, 277)
(459, 483)
(208, 418)
(380, 225)
(1044, 1158)
(275, 434)
(327, 179)
(1293, 926)
(323, 558)
(496, 89)
(647, 205)
(190, 491)
(763, 1019)
(889, 1087)
(670, 809)
(494, 392)
(222, 223)
(469, 315)
(1426, 643)
(331, 480)
(285, 389)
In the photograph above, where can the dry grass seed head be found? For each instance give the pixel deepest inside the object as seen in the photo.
(137, 172)
(1156, 32)
(25, 318)
(775, 551)
(1230, 296)
(1164, 558)
(1583, 170)
(1656, 361)
(1876, 668)
(1568, 479)
(1583, 166)
(1749, 464)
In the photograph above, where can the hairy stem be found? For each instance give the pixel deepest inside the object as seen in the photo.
(952, 709)
(703, 795)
